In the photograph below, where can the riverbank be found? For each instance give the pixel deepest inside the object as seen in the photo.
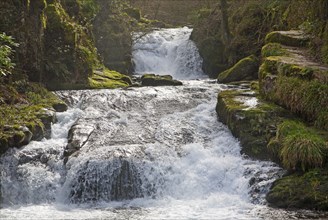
(283, 118)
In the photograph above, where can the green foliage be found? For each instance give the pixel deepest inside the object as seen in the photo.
(7, 45)
(249, 23)
(298, 146)
(89, 9)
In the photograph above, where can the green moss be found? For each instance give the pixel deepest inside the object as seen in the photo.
(288, 38)
(306, 191)
(108, 79)
(253, 126)
(245, 69)
(273, 49)
(103, 83)
(29, 110)
(71, 55)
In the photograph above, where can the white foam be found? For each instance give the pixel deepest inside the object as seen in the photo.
(167, 52)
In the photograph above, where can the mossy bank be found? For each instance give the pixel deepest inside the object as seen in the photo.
(287, 122)
(27, 111)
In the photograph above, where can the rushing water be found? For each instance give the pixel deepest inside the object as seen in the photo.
(140, 153)
(167, 51)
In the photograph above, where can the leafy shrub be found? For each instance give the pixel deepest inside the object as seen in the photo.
(6, 51)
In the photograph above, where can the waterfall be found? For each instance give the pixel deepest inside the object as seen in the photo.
(139, 153)
(167, 52)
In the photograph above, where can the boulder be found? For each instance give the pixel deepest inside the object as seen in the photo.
(78, 135)
(60, 106)
(159, 80)
(245, 69)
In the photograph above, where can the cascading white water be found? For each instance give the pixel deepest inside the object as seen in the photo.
(147, 153)
(167, 52)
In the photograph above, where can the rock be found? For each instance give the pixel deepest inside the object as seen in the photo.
(305, 191)
(110, 175)
(250, 119)
(294, 38)
(159, 80)
(108, 79)
(78, 135)
(47, 117)
(27, 135)
(291, 79)
(245, 69)
(4, 145)
(60, 106)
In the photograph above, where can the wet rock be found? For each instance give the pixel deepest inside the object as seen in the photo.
(44, 158)
(60, 107)
(78, 135)
(47, 117)
(250, 119)
(113, 176)
(158, 80)
(27, 135)
(245, 69)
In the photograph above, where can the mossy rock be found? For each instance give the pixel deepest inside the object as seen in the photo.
(245, 69)
(254, 125)
(273, 49)
(308, 99)
(159, 80)
(30, 118)
(301, 190)
(294, 38)
(289, 78)
(107, 79)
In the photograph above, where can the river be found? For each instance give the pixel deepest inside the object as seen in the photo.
(142, 153)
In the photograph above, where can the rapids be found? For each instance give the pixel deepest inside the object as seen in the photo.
(140, 153)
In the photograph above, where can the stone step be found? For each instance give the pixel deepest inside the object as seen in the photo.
(294, 38)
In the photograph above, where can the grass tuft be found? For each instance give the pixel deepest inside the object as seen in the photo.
(298, 146)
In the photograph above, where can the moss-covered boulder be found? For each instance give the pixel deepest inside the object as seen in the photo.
(108, 79)
(301, 190)
(245, 69)
(159, 80)
(294, 38)
(253, 121)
